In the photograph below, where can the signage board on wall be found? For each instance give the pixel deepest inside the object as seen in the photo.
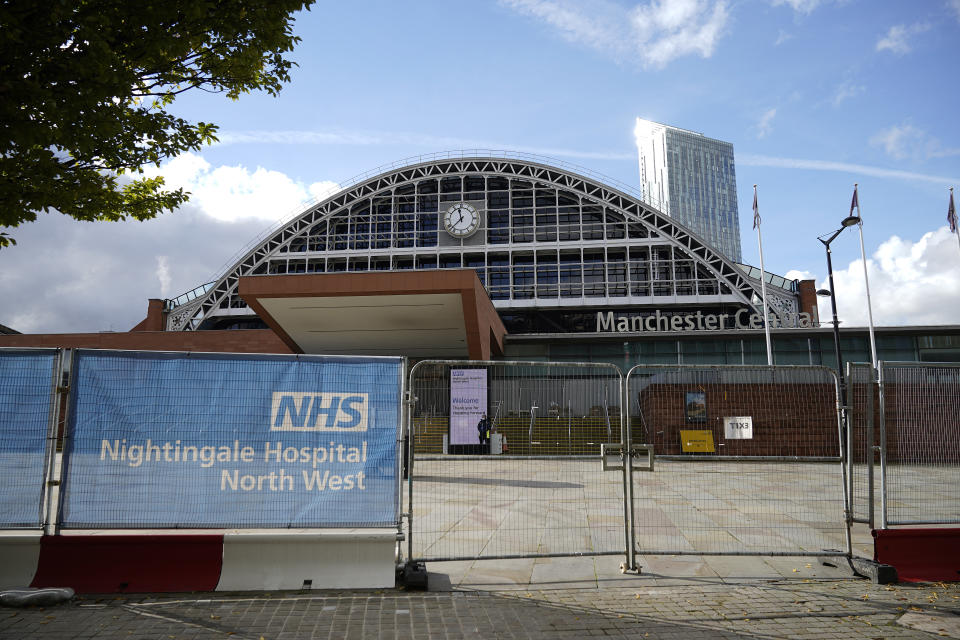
(738, 428)
(655, 321)
(695, 406)
(468, 404)
(696, 441)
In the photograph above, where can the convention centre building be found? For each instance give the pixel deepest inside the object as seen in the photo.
(501, 256)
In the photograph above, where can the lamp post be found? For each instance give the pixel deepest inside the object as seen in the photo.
(849, 221)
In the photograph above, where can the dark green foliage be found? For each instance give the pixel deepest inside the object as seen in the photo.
(84, 87)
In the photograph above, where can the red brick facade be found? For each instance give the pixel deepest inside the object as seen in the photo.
(245, 341)
(788, 419)
(808, 299)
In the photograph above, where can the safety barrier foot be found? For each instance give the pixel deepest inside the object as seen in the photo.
(413, 576)
(877, 573)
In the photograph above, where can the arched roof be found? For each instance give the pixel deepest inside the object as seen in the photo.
(206, 300)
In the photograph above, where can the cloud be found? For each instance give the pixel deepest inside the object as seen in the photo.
(782, 37)
(905, 277)
(765, 125)
(906, 141)
(163, 275)
(797, 274)
(955, 6)
(303, 137)
(353, 138)
(846, 91)
(232, 193)
(899, 141)
(752, 160)
(800, 6)
(66, 276)
(652, 34)
(896, 38)
(104, 272)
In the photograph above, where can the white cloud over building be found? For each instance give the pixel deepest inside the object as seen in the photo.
(912, 282)
(652, 34)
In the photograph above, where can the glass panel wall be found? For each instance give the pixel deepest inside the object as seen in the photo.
(563, 244)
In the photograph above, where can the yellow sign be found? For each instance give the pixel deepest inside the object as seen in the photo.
(696, 441)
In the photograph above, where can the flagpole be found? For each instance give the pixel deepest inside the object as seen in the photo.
(763, 278)
(866, 279)
(952, 215)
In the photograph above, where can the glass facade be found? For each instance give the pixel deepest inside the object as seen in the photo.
(536, 242)
(555, 250)
(693, 179)
(800, 348)
(552, 248)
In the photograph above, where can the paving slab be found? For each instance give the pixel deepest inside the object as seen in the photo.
(700, 608)
(941, 624)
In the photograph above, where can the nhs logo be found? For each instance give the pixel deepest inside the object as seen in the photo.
(310, 411)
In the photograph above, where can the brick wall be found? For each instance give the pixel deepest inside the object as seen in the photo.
(245, 341)
(788, 419)
(807, 291)
(923, 423)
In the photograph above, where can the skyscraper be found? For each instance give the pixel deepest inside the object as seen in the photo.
(691, 178)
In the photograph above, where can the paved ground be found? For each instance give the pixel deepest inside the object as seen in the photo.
(691, 608)
(485, 510)
(800, 608)
(603, 572)
(488, 506)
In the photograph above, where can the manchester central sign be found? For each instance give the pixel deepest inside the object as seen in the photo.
(608, 321)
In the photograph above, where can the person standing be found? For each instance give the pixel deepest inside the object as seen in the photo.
(483, 430)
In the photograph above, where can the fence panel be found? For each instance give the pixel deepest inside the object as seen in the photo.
(864, 436)
(26, 406)
(747, 460)
(159, 440)
(921, 419)
(546, 494)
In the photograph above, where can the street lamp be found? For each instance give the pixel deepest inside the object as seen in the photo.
(849, 221)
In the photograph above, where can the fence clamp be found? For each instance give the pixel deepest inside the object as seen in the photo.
(611, 455)
(642, 451)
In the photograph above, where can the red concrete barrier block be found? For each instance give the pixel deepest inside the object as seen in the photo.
(130, 563)
(920, 555)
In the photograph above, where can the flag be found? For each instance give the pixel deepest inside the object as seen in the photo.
(853, 203)
(756, 210)
(952, 215)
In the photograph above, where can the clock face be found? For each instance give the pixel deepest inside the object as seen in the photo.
(461, 220)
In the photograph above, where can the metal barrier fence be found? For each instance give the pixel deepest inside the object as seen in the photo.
(863, 436)
(195, 440)
(749, 461)
(27, 423)
(188, 440)
(537, 488)
(920, 465)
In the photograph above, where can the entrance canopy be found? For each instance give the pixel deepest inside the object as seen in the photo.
(424, 314)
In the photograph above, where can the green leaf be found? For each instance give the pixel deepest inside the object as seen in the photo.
(93, 80)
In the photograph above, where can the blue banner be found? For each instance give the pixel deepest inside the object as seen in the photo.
(25, 402)
(226, 441)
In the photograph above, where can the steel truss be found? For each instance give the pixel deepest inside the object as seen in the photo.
(224, 291)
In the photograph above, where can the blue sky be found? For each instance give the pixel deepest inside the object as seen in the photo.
(815, 95)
